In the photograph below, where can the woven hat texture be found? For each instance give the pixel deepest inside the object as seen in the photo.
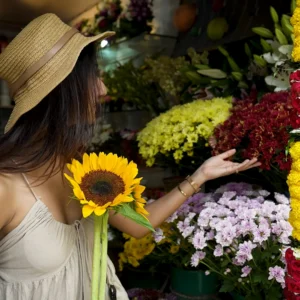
(29, 47)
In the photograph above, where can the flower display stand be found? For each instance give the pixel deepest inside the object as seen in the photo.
(186, 284)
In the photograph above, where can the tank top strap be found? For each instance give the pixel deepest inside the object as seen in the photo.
(30, 188)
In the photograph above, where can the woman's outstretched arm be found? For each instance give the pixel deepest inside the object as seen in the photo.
(161, 209)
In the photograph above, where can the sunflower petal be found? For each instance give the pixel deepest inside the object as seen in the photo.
(99, 211)
(102, 161)
(92, 204)
(113, 161)
(72, 181)
(142, 211)
(78, 171)
(70, 167)
(78, 193)
(106, 204)
(141, 200)
(138, 190)
(94, 161)
(137, 181)
(86, 163)
(120, 167)
(121, 199)
(87, 210)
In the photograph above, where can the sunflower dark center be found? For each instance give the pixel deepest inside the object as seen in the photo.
(102, 186)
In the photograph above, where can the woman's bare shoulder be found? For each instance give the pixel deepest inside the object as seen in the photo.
(7, 202)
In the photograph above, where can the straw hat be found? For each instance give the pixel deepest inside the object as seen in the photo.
(41, 56)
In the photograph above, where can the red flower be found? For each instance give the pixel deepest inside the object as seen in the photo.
(288, 295)
(289, 255)
(102, 23)
(292, 284)
(295, 95)
(293, 265)
(259, 129)
(295, 76)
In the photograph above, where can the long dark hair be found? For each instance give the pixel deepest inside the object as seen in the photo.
(60, 126)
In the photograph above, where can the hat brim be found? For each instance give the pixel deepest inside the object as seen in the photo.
(50, 76)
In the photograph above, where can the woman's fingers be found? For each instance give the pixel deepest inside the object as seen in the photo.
(253, 163)
(245, 165)
(227, 154)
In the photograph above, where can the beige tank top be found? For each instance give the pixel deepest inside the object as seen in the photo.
(43, 259)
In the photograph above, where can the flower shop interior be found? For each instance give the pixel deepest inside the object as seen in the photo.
(187, 80)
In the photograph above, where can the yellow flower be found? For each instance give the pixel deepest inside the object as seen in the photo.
(177, 131)
(174, 249)
(293, 182)
(139, 200)
(102, 182)
(295, 20)
(295, 151)
(136, 250)
(295, 191)
(293, 178)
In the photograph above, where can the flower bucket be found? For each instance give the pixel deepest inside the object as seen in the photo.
(186, 284)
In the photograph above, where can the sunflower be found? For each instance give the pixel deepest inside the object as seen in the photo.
(105, 181)
(139, 200)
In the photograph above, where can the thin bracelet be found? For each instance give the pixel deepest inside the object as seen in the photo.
(192, 183)
(181, 191)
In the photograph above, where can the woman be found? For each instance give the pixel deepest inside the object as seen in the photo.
(45, 246)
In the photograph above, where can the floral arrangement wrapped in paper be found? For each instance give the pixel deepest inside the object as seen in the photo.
(239, 233)
(178, 138)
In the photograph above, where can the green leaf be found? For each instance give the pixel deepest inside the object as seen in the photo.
(227, 287)
(213, 73)
(258, 277)
(252, 297)
(274, 293)
(224, 263)
(202, 67)
(128, 212)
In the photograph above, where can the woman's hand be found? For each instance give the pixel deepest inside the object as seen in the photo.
(219, 165)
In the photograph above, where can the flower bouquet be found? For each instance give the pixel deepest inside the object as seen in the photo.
(178, 138)
(236, 233)
(104, 183)
(260, 128)
(135, 18)
(104, 19)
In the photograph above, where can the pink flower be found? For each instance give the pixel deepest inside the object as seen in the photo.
(262, 233)
(196, 257)
(246, 271)
(245, 250)
(277, 273)
(218, 251)
(199, 240)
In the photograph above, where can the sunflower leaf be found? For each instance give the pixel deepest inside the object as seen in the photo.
(127, 211)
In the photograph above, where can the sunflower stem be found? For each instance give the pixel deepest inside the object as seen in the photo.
(104, 242)
(96, 257)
